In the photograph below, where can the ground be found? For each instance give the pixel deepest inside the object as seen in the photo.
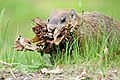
(71, 72)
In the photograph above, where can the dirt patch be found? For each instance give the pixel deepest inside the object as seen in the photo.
(63, 73)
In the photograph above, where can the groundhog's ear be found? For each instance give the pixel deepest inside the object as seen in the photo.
(72, 13)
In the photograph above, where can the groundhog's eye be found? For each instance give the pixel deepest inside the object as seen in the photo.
(48, 20)
(63, 19)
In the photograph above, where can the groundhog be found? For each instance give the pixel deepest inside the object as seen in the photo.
(89, 23)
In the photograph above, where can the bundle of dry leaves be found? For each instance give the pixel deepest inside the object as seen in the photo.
(44, 40)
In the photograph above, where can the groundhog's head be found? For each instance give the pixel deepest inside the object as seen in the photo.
(60, 18)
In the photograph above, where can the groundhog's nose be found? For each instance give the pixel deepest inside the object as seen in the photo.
(50, 27)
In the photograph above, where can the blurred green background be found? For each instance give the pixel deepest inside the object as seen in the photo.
(20, 12)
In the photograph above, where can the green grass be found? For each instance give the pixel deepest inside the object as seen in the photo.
(19, 60)
(90, 52)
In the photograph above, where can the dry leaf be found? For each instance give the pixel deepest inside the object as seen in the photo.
(84, 72)
(37, 21)
(56, 71)
(53, 71)
(106, 52)
(82, 76)
(100, 58)
(58, 40)
(45, 71)
(35, 39)
(21, 44)
(17, 46)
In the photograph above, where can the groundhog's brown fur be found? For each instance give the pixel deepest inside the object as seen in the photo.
(92, 22)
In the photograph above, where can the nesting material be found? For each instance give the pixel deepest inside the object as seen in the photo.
(21, 44)
(44, 40)
(50, 39)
